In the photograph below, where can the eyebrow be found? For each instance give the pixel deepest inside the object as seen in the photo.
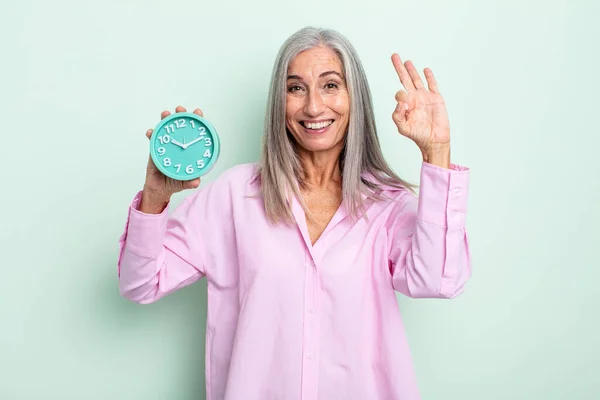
(326, 73)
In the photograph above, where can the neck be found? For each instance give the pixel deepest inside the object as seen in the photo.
(321, 169)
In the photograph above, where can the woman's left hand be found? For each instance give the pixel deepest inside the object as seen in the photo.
(421, 114)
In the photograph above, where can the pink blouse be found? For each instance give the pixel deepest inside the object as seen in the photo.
(288, 320)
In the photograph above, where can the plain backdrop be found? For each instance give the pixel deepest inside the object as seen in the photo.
(81, 81)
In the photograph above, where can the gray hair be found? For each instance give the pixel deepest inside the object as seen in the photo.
(280, 172)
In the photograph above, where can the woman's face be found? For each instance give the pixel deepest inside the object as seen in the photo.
(317, 102)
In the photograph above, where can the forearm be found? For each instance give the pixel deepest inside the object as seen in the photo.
(147, 278)
(156, 255)
(435, 262)
(429, 248)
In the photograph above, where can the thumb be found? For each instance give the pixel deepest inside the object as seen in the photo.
(399, 115)
(194, 183)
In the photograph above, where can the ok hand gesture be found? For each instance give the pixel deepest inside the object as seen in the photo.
(421, 114)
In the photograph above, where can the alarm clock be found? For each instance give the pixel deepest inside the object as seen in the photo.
(184, 146)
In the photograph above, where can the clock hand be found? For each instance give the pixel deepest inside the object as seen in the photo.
(175, 142)
(193, 141)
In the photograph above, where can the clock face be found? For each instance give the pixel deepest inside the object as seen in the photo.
(184, 146)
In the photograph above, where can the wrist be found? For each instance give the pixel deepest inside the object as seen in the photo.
(152, 203)
(437, 154)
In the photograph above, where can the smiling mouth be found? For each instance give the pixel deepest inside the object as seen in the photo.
(316, 126)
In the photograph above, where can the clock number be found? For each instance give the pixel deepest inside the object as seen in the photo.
(164, 139)
(193, 125)
(202, 130)
(200, 163)
(207, 142)
(206, 153)
(180, 123)
(189, 169)
(161, 151)
(178, 166)
(170, 128)
(167, 162)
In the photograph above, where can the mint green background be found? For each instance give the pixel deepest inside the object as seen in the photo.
(81, 82)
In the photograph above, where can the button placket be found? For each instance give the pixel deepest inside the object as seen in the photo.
(310, 334)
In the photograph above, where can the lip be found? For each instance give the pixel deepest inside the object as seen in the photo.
(314, 121)
(319, 131)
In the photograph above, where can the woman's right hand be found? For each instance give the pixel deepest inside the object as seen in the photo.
(158, 188)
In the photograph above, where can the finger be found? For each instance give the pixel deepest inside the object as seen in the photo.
(180, 109)
(414, 75)
(402, 72)
(402, 96)
(194, 183)
(164, 114)
(399, 115)
(149, 133)
(431, 81)
(199, 112)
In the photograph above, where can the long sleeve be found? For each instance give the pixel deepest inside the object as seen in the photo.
(429, 250)
(159, 253)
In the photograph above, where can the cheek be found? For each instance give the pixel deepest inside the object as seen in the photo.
(341, 106)
(291, 109)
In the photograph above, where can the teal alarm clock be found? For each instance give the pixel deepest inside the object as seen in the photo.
(184, 146)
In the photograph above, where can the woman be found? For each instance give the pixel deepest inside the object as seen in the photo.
(303, 253)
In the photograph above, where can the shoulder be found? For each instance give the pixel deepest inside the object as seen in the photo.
(391, 202)
(239, 175)
(233, 182)
(399, 201)
(389, 192)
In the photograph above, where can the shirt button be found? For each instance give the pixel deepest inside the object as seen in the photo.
(311, 310)
(310, 356)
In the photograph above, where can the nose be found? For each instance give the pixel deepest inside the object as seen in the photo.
(314, 104)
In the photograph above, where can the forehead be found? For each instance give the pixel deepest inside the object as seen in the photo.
(315, 60)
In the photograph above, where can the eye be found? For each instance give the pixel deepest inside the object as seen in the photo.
(294, 88)
(331, 85)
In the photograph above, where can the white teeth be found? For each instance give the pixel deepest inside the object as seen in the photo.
(318, 125)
